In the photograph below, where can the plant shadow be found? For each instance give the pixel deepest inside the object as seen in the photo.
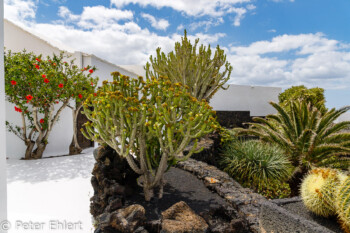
(50, 169)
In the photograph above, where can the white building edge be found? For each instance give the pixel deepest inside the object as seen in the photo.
(3, 180)
(237, 98)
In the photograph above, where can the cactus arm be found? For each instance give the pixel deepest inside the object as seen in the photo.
(161, 169)
(133, 165)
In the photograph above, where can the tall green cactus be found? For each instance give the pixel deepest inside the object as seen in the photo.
(343, 204)
(195, 68)
(149, 123)
(318, 191)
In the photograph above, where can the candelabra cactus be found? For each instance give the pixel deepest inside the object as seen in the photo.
(205, 73)
(318, 191)
(343, 203)
(149, 123)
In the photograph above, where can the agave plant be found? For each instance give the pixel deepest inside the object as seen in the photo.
(255, 162)
(309, 138)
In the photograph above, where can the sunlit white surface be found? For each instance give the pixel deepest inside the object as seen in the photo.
(51, 194)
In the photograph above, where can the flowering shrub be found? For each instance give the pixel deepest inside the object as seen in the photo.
(35, 85)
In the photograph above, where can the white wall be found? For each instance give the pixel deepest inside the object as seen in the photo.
(246, 98)
(17, 39)
(237, 98)
(59, 139)
(104, 68)
(3, 190)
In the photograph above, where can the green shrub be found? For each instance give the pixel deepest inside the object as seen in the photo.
(255, 162)
(314, 96)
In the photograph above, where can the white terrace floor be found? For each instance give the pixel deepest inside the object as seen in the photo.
(50, 195)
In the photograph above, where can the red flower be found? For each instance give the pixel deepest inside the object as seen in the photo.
(38, 59)
(13, 82)
(42, 121)
(56, 102)
(85, 68)
(18, 109)
(80, 96)
(37, 66)
(95, 94)
(64, 62)
(46, 80)
(60, 85)
(54, 64)
(91, 71)
(92, 84)
(29, 97)
(44, 76)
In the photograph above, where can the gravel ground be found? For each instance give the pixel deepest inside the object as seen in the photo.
(298, 208)
(181, 186)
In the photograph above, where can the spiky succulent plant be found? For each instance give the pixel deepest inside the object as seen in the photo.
(255, 162)
(343, 203)
(318, 190)
(149, 123)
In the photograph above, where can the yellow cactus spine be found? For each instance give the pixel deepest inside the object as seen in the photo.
(318, 191)
(343, 203)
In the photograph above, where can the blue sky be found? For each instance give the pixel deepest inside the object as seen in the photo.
(268, 42)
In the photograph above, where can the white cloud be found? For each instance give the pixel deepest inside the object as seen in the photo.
(190, 7)
(65, 13)
(160, 24)
(20, 10)
(120, 44)
(212, 8)
(313, 60)
(240, 12)
(95, 16)
(251, 7)
(180, 27)
(206, 24)
(272, 30)
(304, 43)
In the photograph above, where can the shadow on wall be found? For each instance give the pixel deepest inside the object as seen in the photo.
(51, 169)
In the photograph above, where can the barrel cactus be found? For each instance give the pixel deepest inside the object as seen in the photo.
(318, 191)
(343, 203)
(149, 123)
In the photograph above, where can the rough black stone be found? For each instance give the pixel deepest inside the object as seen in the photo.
(233, 119)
